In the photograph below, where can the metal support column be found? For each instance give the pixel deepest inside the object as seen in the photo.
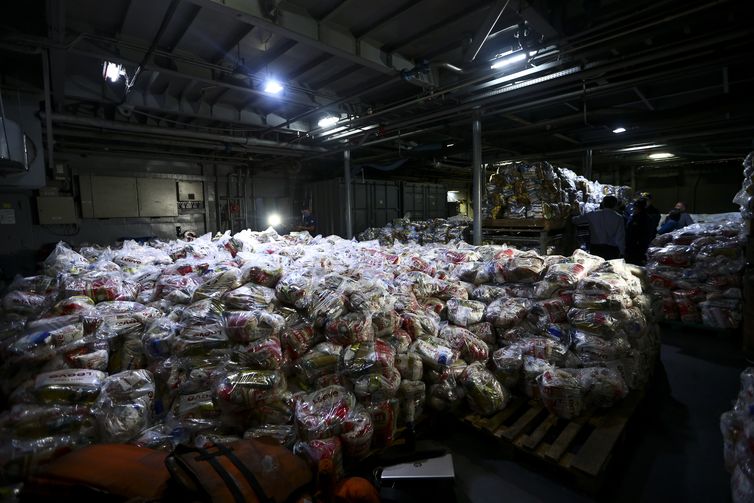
(476, 133)
(347, 183)
(48, 113)
(588, 164)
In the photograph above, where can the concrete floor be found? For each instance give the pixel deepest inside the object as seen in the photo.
(673, 451)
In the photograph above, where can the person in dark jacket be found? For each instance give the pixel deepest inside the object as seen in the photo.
(671, 223)
(639, 233)
(653, 213)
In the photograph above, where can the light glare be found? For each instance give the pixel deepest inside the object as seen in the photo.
(273, 87)
(273, 220)
(619, 130)
(660, 155)
(328, 121)
(508, 61)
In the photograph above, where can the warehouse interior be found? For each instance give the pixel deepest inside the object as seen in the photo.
(165, 120)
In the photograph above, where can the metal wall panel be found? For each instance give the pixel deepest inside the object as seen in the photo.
(114, 196)
(156, 197)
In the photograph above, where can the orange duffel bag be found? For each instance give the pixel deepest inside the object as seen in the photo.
(242, 471)
(103, 472)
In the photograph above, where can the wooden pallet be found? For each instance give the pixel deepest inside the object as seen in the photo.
(579, 449)
(524, 223)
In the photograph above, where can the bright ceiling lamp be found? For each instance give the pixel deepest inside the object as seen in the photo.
(619, 130)
(272, 86)
(658, 156)
(502, 62)
(327, 121)
(638, 147)
(274, 220)
(113, 71)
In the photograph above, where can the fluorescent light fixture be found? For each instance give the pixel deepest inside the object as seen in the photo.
(508, 61)
(328, 121)
(273, 220)
(619, 130)
(448, 145)
(639, 147)
(658, 156)
(272, 86)
(112, 71)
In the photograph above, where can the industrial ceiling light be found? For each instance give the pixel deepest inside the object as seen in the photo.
(113, 71)
(448, 145)
(272, 86)
(502, 62)
(619, 130)
(327, 121)
(658, 156)
(639, 147)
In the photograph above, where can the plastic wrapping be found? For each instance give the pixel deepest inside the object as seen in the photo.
(247, 326)
(245, 388)
(349, 328)
(465, 312)
(484, 393)
(325, 455)
(410, 366)
(217, 284)
(261, 354)
(384, 416)
(506, 313)
(320, 361)
(420, 324)
(282, 434)
(249, 297)
(562, 393)
(376, 387)
(68, 386)
(434, 352)
(509, 363)
(323, 413)
(124, 406)
(466, 344)
(372, 357)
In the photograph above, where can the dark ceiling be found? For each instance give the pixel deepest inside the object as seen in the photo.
(401, 75)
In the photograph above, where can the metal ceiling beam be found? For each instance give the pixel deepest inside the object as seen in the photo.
(323, 36)
(643, 99)
(484, 30)
(333, 11)
(271, 55)
(468, 10)
(335, 77)
(536, 20)
(380, 22)
(307, 67)
(172, 44)
(516, 118)
(236, 38)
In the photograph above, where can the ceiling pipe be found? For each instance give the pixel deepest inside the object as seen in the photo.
(117, 126)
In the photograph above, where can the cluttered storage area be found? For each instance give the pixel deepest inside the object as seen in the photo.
(346, 251)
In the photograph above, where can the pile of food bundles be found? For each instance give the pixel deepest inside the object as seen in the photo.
(539, 190)
(745, 197)
(404, 230)
(325, 345)
(737, 427)
(697, 274)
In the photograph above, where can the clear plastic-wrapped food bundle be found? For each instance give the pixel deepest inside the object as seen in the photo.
(421, 231)
(737, 428)
(697, 272)
(484, 393)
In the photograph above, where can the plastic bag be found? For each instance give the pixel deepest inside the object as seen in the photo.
(68, 386)
(323, 413)
(249, 297)
(124, 406)
(372, 357)
(434, 352)
(264, 270)
(385, 422)
(506, 313)
(217, 284)
(320, 361)
(602, 387)
(533, 367)
(64, 260)
(384, 323)
(325, 455)
(509, 362)
(484, 393)
(421, 324)
(247, 326)
(465, 312)
(410, 366)
(591, 348)
(245, 388)
(412, 396)
(521, 268)
(349, 328)
(262, 354)
(376, 387)
(603, 323)
(282, 434)
(468, 346)
(561, 393)
(23, 303)
(400, 340)
(295, 290)
(357, 434)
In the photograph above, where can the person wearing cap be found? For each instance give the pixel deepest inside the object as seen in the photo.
(685, 219)
(607, 234)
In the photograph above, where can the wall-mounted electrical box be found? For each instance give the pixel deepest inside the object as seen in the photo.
(156, 197)
(190, 191)
(56, 210)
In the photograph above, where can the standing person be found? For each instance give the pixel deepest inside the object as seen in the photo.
(308, 221)
(653, 213)
(685, 218)
(606, 229)
(639, 233)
